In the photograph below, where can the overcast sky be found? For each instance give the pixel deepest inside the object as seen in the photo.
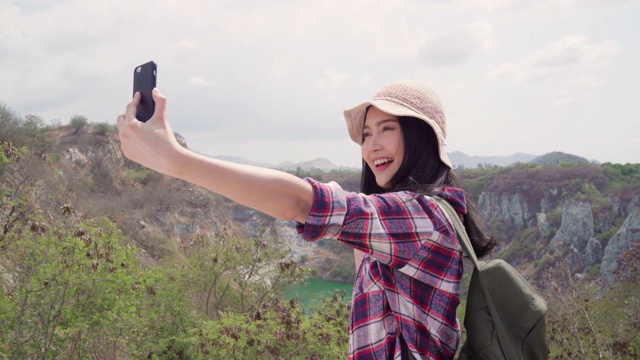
(268, 80)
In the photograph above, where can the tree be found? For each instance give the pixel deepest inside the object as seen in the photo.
(78, 123)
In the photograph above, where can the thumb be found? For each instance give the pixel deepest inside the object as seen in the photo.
(161, 104)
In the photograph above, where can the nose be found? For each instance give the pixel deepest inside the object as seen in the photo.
(371, 144)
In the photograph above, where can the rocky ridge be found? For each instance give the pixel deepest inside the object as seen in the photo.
(575, 241)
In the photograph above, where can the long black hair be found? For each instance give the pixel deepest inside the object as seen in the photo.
(423, 172)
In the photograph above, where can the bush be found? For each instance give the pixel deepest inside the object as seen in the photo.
(279, 330)
(78, 123)
(103, 128)
(75, 288)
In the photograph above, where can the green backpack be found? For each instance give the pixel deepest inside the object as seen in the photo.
(504, 317)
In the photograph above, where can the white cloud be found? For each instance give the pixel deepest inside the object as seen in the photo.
(332, 82)
(200, 81)
(571, 50)
(577, 90)
(456, 45)
(559, 58)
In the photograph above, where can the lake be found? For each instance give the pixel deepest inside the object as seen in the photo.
(316, 289)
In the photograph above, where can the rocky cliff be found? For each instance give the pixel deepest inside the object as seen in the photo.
(580, 225)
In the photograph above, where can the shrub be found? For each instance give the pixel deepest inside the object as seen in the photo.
(103, 128)
(75, 288)
(78, 123)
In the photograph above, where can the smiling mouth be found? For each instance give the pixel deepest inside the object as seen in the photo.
(381, 162)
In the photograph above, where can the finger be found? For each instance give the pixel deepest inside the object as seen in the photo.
(160, 100)
(120, 119)
(132, 107)
(161, 105)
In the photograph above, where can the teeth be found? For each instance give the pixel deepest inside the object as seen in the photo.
(382, 161)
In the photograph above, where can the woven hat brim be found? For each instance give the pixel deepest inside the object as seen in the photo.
(354, 118)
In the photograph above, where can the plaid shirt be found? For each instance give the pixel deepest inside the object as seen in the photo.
(409, 280)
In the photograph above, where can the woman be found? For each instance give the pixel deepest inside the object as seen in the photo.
(408, 257)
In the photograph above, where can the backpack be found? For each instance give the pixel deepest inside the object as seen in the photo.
(505, 316)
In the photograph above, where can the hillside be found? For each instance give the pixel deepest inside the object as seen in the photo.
(539, 207)
(571, 227)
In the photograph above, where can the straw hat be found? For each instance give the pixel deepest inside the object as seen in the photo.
(406, 98)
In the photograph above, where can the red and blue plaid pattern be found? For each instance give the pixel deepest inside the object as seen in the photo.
(409, 280)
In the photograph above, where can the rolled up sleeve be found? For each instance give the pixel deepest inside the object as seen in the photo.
(390, 227)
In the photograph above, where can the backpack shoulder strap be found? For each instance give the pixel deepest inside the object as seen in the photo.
(503, 337)
(459, 227)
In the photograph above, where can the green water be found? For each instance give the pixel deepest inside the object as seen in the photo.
(313, 290)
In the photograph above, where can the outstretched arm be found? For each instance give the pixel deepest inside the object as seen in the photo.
(357, 256)
(153, 145)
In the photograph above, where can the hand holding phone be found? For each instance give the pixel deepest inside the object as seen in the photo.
(144, 81)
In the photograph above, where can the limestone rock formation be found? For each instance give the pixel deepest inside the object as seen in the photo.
(620, 242)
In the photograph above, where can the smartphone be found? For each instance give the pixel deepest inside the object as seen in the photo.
(144, 80)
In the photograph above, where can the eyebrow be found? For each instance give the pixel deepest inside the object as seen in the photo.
(381, 122)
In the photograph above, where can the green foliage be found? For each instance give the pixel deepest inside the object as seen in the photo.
(619, 174)
(235, 275)
(584, 322)
(142, 175)
(103, 128)
(555, 218)
(74, 290)
(525, 244)
(78, 123)
(30, 131)
(593, 271)
(9, 153)
(544, 263)
(536, 182)
(588, 192)
(475, 181)
(496, 226)
(344, 271)
(605, 236)
(278, 330)
(159, 246)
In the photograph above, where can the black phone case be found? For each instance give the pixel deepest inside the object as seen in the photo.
(144, 80)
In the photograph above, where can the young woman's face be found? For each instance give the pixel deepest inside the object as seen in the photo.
(383, 146)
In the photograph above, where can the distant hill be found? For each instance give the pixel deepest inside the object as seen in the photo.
(557, 158)
(460, 159)
(239, 160)
(320, 163)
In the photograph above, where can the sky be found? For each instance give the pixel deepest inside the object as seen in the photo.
(268, 80)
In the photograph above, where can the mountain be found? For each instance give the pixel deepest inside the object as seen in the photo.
(462, 160)
(320, 164)
(239, 160)
(459, 159)
(557, 158)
